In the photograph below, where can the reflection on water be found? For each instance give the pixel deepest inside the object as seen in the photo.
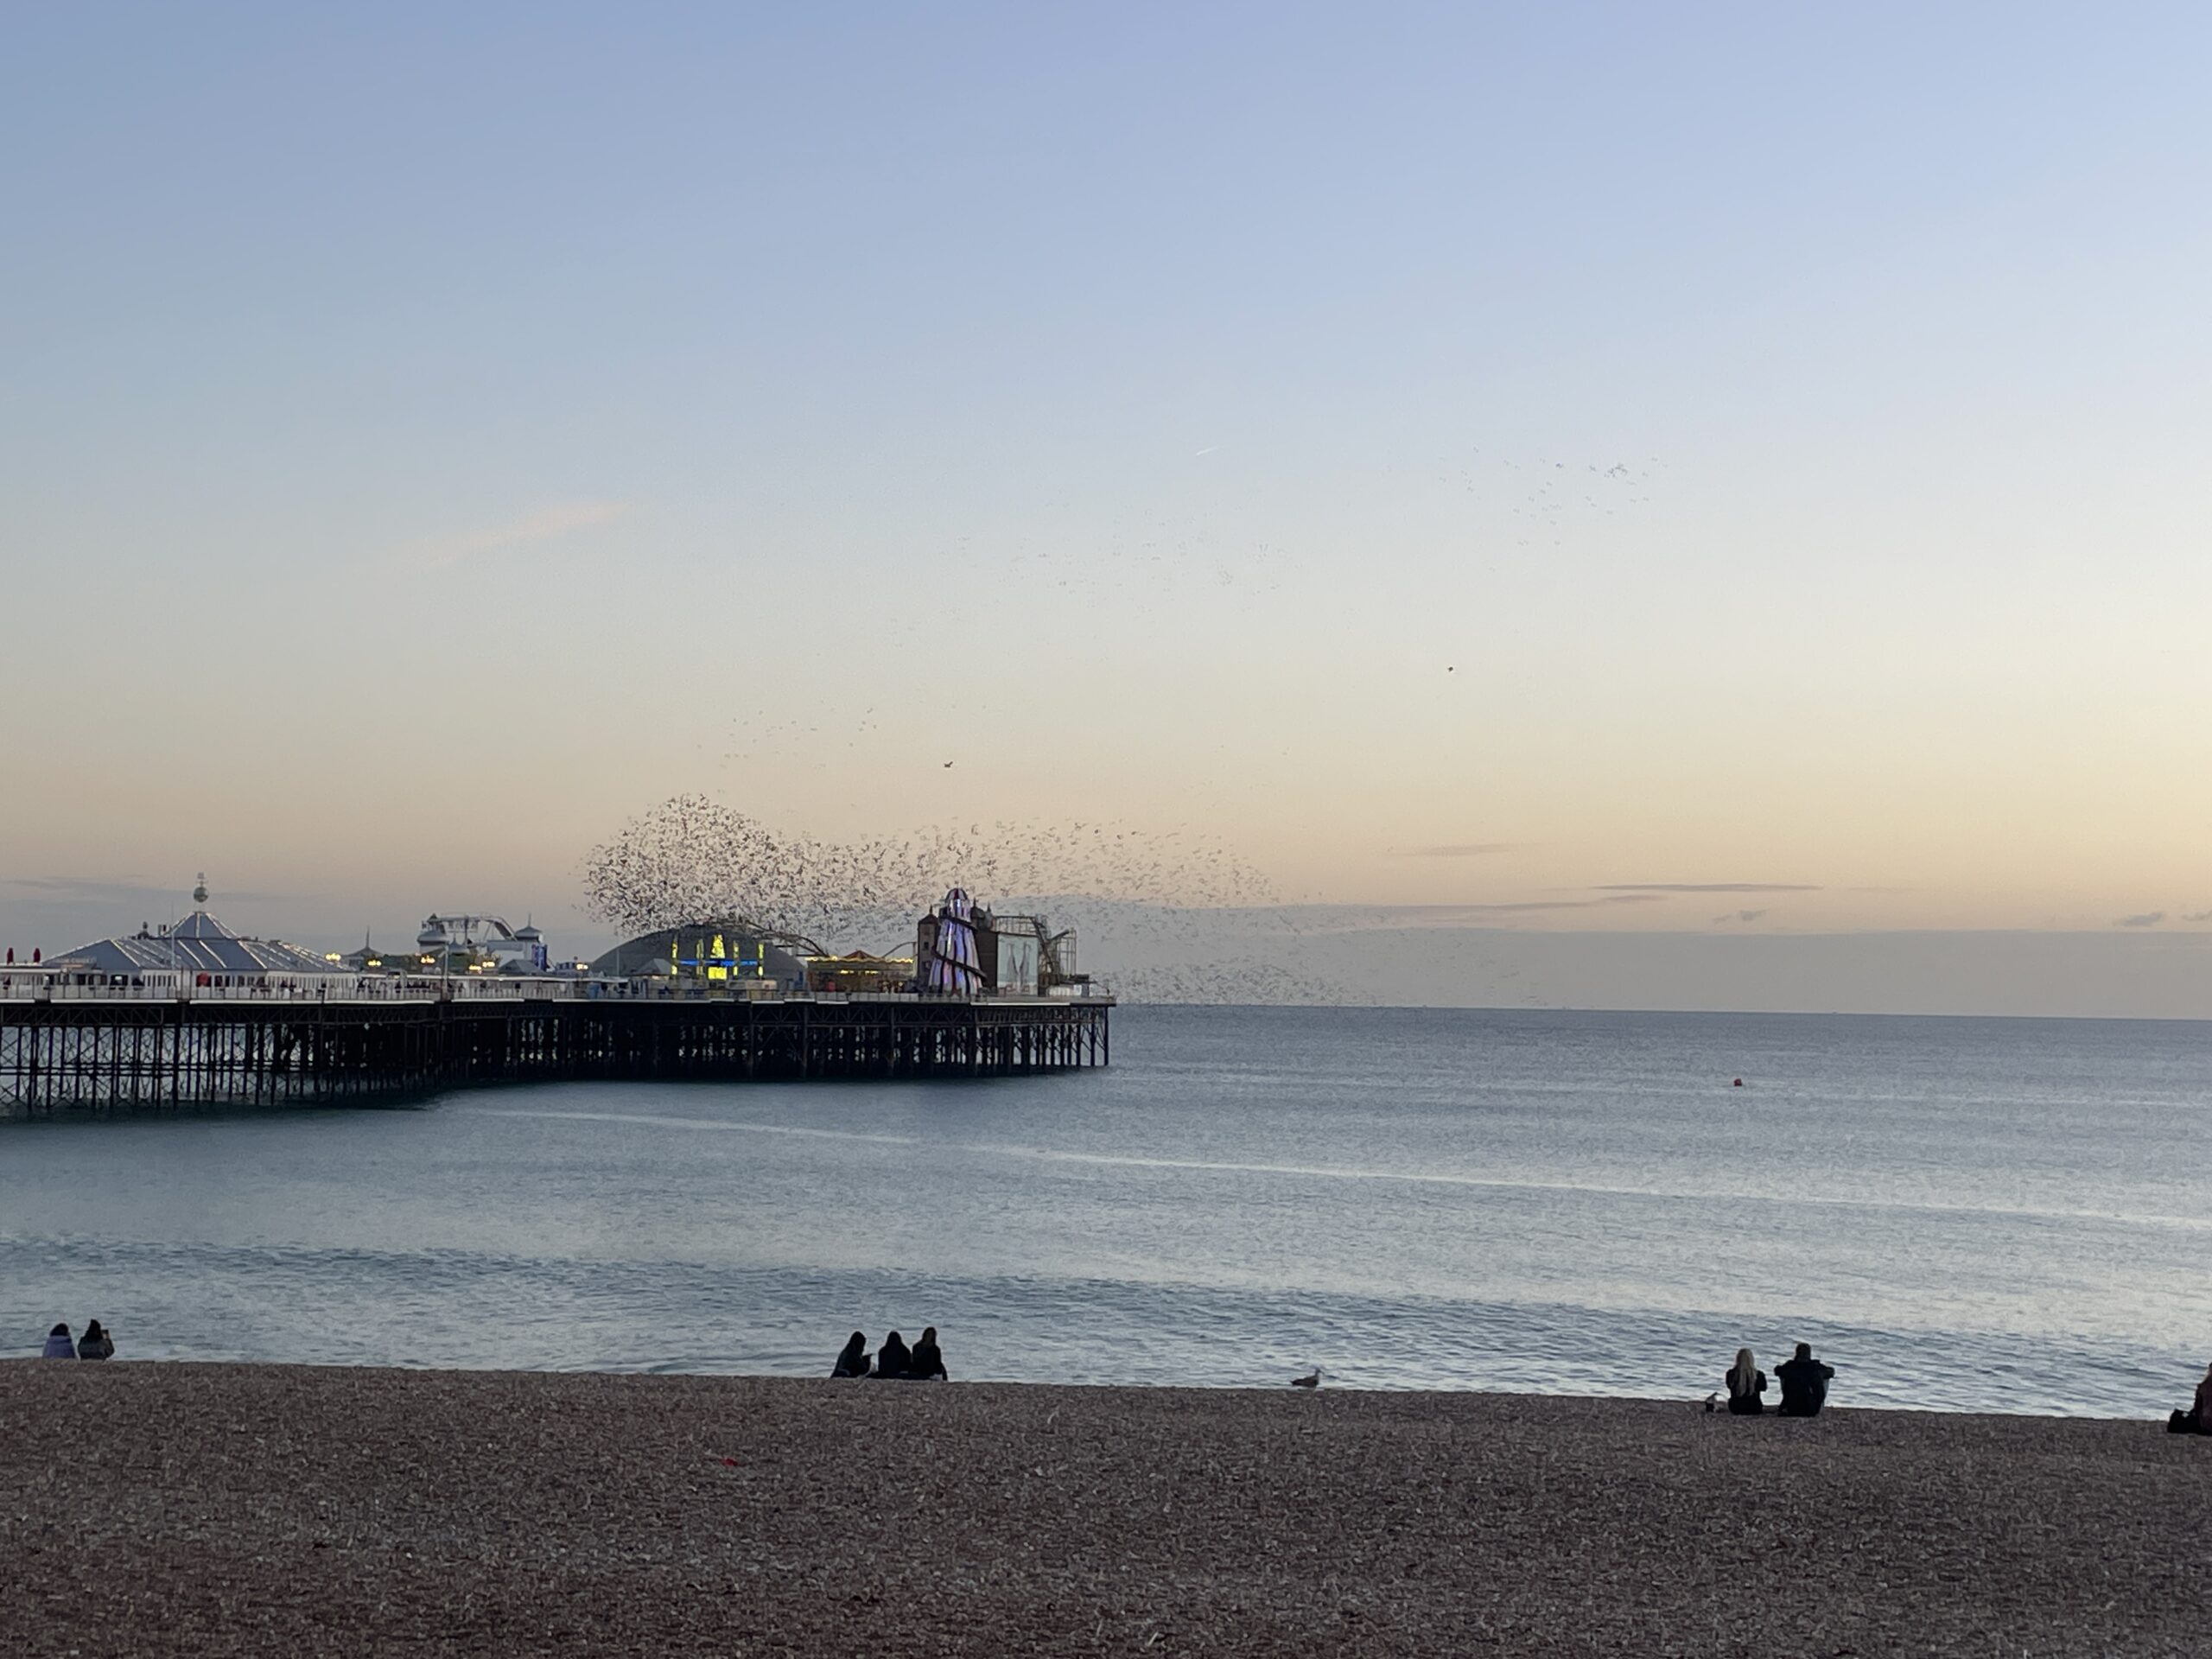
(1960, 1213)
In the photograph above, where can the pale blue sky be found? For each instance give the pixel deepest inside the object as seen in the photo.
(630, 389)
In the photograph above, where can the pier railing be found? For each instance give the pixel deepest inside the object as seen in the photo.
(25, 988)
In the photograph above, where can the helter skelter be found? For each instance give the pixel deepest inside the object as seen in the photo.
(954, 968)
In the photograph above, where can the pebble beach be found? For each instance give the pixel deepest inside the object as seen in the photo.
(258, 1509)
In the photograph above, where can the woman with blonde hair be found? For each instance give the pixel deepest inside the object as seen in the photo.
(1746, 1382)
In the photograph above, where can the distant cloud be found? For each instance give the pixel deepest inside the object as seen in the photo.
(77, 889)
(1461, 849)
(1525, 905)
(1361, 919)
(1706, 886)
(92, 890)
(2142, 919)
(1430, 918)
(562, 518)
(1746, 915)
(78, 886)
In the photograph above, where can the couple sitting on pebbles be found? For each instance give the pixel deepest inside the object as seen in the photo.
(1804, 1385)
(95, 1344)
(920, 1363)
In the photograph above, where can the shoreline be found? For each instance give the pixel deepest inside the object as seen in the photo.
(2154, 1414)
(217, 1508)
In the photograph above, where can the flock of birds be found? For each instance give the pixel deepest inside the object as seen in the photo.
(1553, 494)
(1168, 566)
(1128, 893)
(1147, 905)
(1194, 544)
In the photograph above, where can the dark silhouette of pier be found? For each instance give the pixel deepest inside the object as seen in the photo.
(136, 1055)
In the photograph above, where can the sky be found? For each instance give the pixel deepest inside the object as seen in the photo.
(1698, 472)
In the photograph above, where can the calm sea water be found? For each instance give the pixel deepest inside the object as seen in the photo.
(2003, 1215)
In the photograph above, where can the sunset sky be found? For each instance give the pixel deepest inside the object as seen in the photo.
(1697, 469)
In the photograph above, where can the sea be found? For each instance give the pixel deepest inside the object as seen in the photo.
(1957, 1214)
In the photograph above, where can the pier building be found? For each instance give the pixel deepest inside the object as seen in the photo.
(960, 946)
(198, 953)
(729, 953)
(483, 942)
(859, 971)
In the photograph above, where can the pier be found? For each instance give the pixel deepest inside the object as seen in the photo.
(79, 1051)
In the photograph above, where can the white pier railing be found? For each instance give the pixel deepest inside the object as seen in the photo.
(31, 985)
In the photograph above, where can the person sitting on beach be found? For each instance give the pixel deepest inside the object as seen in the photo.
(95, 1344)
(926, 1365)
(892, 1360)
(1746, 1382)
(852, 1359)
(1804, 1384)
(58, 1345)
(2197, 1419)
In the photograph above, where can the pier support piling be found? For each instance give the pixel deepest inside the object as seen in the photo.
(133, 1055)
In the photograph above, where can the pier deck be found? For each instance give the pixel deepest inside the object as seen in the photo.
(88, 1054)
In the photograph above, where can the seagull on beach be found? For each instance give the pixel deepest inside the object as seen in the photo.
(1313, 1381)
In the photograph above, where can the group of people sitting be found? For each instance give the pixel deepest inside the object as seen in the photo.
(1804, 1385)
(1805, 1389)
(922, 1363)
(95, 1344)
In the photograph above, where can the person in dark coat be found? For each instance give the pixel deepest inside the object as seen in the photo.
(2197, 1419)
(1804, 1384)
(58, 1345)
(1746, 1382)
(95, 1344)
(852, 1359)
(893, 1360)
(926, 1365)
